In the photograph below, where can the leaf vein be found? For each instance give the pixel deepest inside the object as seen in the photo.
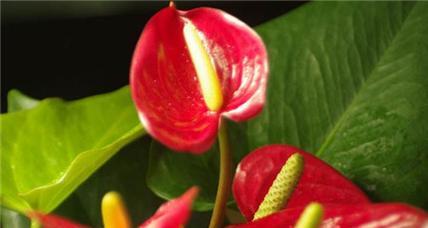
(348, 108)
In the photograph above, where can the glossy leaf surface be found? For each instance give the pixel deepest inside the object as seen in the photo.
(123, 173)
(169, 181)
(167, 89)
(84, 204)
(352, 89)
(347, 83)
(367, 215)
(318, 182)
(65, 142)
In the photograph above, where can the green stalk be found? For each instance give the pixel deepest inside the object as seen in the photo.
(225, 179)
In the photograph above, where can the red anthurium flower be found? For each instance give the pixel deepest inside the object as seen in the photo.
(318, 181)
(264, 175)
(190, 68)
(361, 215)
(54, 221)
(173, 214)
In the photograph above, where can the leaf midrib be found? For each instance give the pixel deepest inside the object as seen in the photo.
(331, 134)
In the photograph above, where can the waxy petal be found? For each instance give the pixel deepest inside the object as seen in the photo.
(174, 213)
(165, 86)
(319, 182)
(361, 215)
(241, 60)
(54, 221)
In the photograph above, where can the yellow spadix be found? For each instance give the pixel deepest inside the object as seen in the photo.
(204, 67)
(114, 211)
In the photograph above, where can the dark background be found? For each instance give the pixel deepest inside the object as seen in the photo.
(77, 49)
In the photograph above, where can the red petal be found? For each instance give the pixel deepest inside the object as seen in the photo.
(362, 215)
(165, 88)
(54, 221)
(174, 213)
(376, 215)
(319, 181)
(240, 57)
(164, 83)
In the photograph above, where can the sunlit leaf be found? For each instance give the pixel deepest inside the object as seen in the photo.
(17, 101)
(47, 151)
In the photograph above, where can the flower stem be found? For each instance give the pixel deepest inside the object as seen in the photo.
(225, 179)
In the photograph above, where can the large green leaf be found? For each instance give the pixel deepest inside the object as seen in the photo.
(171, 173)
(124, 173)
(352, 88)
(48, 150)
(348, 82)
(17, 101)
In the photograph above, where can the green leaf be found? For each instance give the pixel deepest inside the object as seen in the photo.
(17, 101)
(124, 173)
(171, 173)
(348, 83)
(47, 151)
(13, 219)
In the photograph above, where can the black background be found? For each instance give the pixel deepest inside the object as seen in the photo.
(77, 49)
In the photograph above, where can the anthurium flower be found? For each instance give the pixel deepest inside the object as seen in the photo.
(274, 184)
(189, 69)
(172, 214)
(360, 215)
(54, 221)
(318, 182)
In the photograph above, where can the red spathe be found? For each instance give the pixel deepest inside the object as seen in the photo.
(54, 221)
(381, 215)
(165, 87)
(319, 182)
(174, 213)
